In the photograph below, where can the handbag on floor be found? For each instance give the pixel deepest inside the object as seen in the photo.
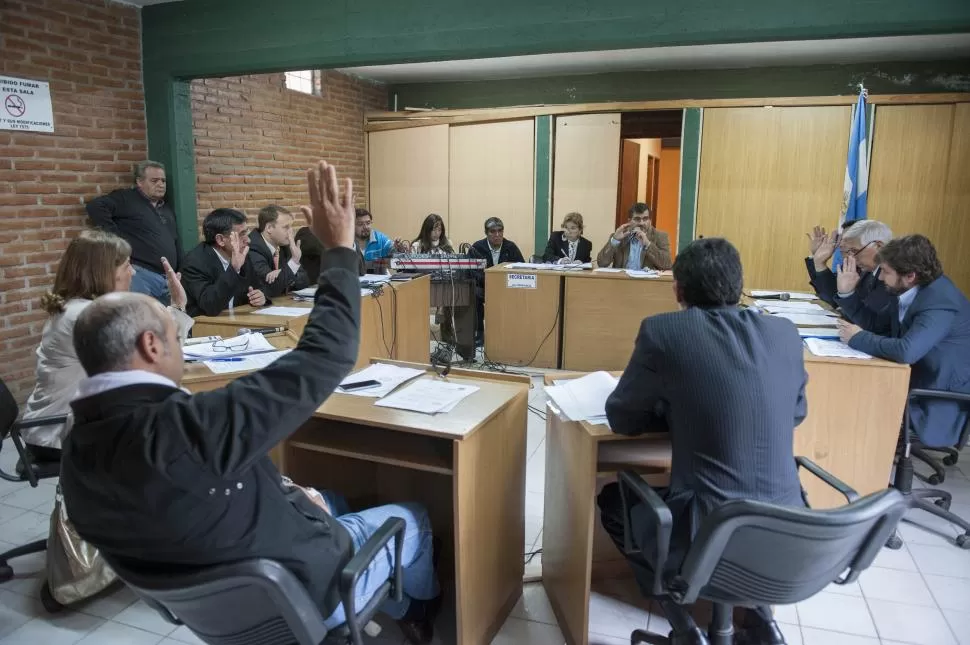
(75, 568)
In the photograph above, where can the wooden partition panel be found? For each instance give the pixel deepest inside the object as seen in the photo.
(920, 178)
(408, 175)
(586, 172)
(492, 172)
(767, 176)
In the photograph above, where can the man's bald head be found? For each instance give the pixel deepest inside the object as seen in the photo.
(108, 333)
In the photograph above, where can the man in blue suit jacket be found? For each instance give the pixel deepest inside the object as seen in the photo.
(930, 330)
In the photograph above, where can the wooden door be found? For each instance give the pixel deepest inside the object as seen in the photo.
(629, 176)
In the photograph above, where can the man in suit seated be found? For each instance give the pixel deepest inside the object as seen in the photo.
(855, 286)
(930, 330)
(162, 480)
(821, 248)
(218, 273)
(494, 249)
(728, 385)
(637, 245)
(275, 253)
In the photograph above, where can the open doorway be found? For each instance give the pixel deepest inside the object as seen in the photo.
(650, 167)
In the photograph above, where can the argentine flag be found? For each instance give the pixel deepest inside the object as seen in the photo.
(855, 187)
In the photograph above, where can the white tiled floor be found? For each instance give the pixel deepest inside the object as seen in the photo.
(919, 595)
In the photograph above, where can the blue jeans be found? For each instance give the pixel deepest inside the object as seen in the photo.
(418, 573)
(151, 284)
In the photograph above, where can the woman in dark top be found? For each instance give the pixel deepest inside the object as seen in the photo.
(568, 245)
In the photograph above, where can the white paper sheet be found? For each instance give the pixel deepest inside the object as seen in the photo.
(835, 348)
(643, 274)
(389, 376)
(527, 265)
(284, 312)
(235, 346)
(810, 320)
(374, 278)
(818, 332)
(429, 395)
(307, 292)
(794, 306)
(584, 399)
(243, 363)
(608, 270)
(793, 295)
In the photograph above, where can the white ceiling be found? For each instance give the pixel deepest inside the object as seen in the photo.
(773, 54)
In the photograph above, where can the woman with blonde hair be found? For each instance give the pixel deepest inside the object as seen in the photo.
(568, 245)
(95, 263)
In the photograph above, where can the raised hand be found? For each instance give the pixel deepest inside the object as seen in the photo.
(238, 248)
(847, 276)
(330, 215)
(296, 253)
(815, 239)
(176, 291)
(622, 232)
(256, 297)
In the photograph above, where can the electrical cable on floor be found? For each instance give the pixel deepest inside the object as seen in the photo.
(532, 554)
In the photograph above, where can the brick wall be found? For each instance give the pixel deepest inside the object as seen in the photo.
(254, 139)
(90, 52)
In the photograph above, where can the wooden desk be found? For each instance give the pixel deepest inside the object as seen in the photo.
(198, 377)
(394, 324)
(602, 313)
(522, 326)
(466, 467)
(854, 412)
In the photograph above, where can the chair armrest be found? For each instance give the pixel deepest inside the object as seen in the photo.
(39, 422)
(632, 484)
(353, 570)
(828, 478)
(22, 453)
(960, 397)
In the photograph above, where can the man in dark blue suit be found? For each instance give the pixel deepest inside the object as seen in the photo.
(930, 330)
(854, 287)
(729, 386)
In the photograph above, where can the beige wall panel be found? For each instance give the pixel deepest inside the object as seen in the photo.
(408, 172)
(492, 174)
(920, 178)
(767, 176)
(586, 173)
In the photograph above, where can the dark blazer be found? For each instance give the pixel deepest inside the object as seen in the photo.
(729, 387)
(209, 287)
(313, 252)
(163, 480)
(509, 253)
(152, 234)
(934, 339)
(262, 260)
(558, 248)
(868, 306)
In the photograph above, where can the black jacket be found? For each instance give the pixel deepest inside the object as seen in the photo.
(867, 307)
(509, 253)
(262, 260)
(558, 248)
(152, 234)
(162, 480)
(313, 252)
(731, 423)
(209, 287)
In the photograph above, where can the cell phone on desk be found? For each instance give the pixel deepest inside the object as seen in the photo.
(359, 385)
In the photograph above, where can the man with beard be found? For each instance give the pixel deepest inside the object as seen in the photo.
(637, 245)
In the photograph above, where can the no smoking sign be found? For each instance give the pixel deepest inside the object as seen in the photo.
(26, 105)
(15, 105)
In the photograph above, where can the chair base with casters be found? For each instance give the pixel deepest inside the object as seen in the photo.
(933, 500)
(753, 555)
(259, 602)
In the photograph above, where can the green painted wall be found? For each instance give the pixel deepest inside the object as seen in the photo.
(543, 181)
(817, 80)
(690, 162)
(185, 40)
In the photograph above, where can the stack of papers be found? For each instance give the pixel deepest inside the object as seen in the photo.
(646, 273)
(306, 292)
(284, 312)
(810, 320)
(374, 278)
(818, 332)
(792, 295)
(575, 266)
(792, 306)
(608, 270)
(429, 395)
(584, 399)
(244, 345)
(834, 348)
(389, 377)
(249, 363)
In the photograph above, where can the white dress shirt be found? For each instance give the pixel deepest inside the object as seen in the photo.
(906, 299)
(294, 266)
(225, 267)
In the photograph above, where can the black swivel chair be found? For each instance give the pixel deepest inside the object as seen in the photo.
(259, 602)
(752, 554)
(931, 500)
(28, 470)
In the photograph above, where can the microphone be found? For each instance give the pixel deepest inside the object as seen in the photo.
(778, 296)
(262, 330)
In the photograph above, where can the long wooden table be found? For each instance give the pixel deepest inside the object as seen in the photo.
(466, 467)
(394, 324)
(573, 320)
(854, 411)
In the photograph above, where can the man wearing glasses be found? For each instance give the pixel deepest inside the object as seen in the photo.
(854, 287)
(637, 245)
